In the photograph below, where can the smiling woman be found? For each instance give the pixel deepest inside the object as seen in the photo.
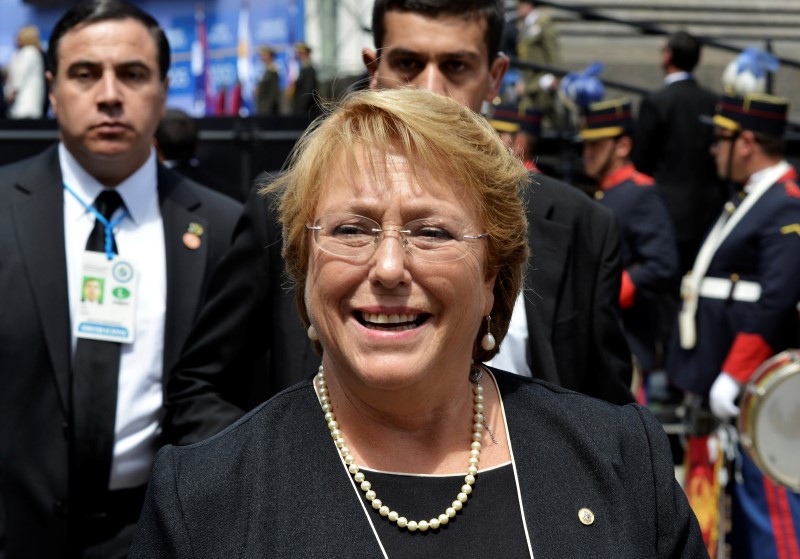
(405, 235)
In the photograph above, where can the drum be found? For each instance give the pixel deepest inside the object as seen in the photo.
(769, 423)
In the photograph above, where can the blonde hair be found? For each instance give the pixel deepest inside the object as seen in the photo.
(28, 36)
(436, 134)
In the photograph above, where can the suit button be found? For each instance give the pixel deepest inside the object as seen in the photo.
(60, 509)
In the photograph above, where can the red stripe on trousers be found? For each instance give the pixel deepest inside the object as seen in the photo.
(780, 518)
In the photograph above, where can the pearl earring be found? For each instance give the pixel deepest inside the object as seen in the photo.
(312, 333)
(487, 342)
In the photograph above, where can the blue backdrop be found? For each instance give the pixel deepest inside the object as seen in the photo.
(210, 75)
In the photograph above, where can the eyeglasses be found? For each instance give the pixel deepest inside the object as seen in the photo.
(355, 237)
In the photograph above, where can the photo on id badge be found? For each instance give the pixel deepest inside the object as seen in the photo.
(93, 290)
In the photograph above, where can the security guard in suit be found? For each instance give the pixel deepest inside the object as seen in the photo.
(740, 303)
(649, 251)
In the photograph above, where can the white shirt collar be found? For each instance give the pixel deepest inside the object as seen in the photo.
(755, 177)
(139, 191)
(677, 77)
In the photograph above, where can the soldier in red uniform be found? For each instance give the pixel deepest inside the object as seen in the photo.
(740, 303)
(649, 251)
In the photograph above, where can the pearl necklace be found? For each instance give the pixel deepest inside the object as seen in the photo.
(393, 516)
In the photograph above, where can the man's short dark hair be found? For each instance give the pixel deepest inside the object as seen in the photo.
(685, 50)
(177, 136)
(94, 11)
(772, 145)
(491, 10)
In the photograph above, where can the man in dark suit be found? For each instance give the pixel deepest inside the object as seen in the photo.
(81, 386)
(305, 86)
(249, 343)
(268, 89)
(177, 138)
(672, 146)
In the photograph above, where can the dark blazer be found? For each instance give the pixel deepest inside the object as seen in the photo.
(249, 342)
(35, 352)
(671, 145)
(273, 484)
(572, 293)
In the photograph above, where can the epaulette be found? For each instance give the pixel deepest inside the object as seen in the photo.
(792, 189)
(640, 179)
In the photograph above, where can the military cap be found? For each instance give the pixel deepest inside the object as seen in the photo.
(607, 119)
(758, 112)
(511, 118)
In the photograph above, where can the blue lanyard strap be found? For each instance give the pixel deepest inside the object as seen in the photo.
(108, 226)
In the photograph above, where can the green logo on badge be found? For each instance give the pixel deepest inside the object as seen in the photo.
(121, 293)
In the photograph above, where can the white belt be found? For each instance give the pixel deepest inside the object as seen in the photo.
(724, 288)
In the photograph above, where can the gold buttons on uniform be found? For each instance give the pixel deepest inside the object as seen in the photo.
(586, 516)
(735, 278)
(599, 195)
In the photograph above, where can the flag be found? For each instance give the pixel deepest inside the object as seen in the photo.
(244, 63)
(704, 462)
(203, 85)
(219, 102)
(235, 100)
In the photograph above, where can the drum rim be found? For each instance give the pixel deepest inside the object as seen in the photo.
(770, 374)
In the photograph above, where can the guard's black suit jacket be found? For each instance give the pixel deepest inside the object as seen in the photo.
(671, 145)
(35, 353)
(249, 342)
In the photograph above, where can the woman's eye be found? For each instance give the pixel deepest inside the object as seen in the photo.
(433, 233)
(349, 229)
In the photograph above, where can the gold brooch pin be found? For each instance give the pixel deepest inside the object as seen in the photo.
(586, 516)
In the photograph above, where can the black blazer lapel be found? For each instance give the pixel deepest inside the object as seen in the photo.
(185, 265)
(38, 213)
(550, 247)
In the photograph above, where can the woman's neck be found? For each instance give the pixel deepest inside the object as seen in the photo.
(417, 430)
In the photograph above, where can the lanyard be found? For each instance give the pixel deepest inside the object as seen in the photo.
(107, 225)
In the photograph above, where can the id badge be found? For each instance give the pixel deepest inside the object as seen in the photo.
(107, 298)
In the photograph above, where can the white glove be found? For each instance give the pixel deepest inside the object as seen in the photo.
(722, 396)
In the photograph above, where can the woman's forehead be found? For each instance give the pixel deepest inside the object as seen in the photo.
(384, 172)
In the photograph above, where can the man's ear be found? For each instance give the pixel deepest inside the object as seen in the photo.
(497, 70)
(624, 147)
(51, 87)
(371, 62)
(747, 142)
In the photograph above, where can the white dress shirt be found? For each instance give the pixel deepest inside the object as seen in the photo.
(513, 353)
(139, 237)
(677, 77)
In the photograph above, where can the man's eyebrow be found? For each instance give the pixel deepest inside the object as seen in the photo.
(119, 65)
(82, 64)
(401, 51)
